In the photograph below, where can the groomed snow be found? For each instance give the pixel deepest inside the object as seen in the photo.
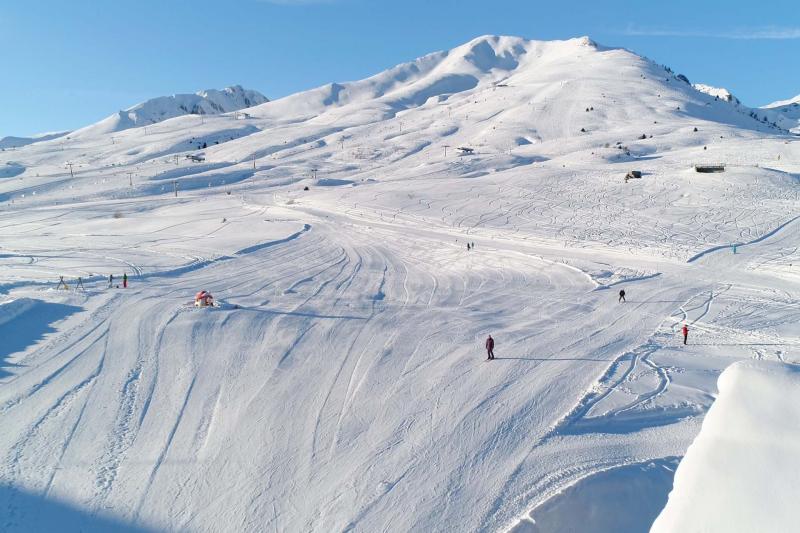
(342, 385)
(740, 473)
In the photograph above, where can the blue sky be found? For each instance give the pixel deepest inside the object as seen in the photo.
(66, 64)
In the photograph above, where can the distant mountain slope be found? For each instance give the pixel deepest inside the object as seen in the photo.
(18, 142)
(783, 114)
(208, 102)
(789, 110)
(717, 92)
(558, 79)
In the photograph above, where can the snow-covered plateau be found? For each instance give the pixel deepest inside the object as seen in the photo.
(341, 384)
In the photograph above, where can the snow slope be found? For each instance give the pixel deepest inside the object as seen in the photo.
(18, 142)
(784, 115)
(342, 385)
(208, 102)
(789, 110)
(740, 473)
(717, 92)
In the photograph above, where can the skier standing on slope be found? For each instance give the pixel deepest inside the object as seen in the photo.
(125, 280)
(110, 280)
(685, 331)
(621, 296)
(490, 347)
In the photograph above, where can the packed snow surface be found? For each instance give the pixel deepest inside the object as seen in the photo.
(740, 473)
(342, 385)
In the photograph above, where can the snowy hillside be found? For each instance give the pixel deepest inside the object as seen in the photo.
(740, 472)
(342, 383)
(18, 142)
(209, 102)
(789, 110)
(783, 115)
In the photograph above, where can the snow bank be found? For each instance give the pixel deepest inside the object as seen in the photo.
(626, 498)
(13, 308)
(740, 473)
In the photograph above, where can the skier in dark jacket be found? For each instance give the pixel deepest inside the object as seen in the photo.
(685, 331)
(622, 295)
(110, 280)
(125, 280)
(490, 347)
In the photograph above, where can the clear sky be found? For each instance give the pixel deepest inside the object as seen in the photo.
(68, 63)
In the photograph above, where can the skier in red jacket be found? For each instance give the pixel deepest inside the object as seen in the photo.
(490, 347)
(685, 331)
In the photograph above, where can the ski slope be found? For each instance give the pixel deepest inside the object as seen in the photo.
(342, 384)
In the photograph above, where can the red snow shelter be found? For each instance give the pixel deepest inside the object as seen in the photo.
(203, 299)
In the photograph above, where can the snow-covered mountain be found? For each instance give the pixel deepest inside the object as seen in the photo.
(717, 92)
(18, 142)
(538, 71)
(784, 114)
(788, 110)
(341, 384)
(208, 102)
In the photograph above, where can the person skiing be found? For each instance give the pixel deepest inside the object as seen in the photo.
(621, 295)
(110, 280)
(125, 280)
(468, 247)
(685, 331)
(490, 347)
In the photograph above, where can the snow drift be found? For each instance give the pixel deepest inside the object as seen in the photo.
(740, 473)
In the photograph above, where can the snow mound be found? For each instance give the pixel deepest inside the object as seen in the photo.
(626, 498)
(740, 473)
(208, 102)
